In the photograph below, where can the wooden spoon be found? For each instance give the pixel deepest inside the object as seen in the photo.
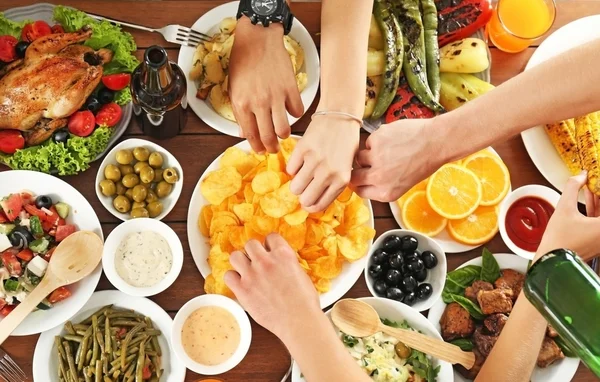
(74, 258)
(359, 319)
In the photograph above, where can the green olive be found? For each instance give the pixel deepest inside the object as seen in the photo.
(151, 197)
(130, 180)
(402, 350)
(155, 160)
(122, 204)
(155, 209)
(170, 175)
(139, 193)
(158, 174)
(126, 169)
(129, 194)
(124, 157)
(147, 175)
(112, 172)
(138, 205)
(139, 166)
(139, 213)
(107, 187)
(163, 189)
(141, 154)
(121, 190)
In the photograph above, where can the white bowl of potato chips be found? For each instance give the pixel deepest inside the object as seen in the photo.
(206, 67)
(243, 196)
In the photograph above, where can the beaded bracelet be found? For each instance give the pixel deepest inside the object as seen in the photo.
(340, 113)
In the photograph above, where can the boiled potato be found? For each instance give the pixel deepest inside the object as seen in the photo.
(301, 81)
(228, 25)
(225, 85)
(468, 55)
(297, 49)
(375, 62)
(221, 102)
(213, 70)
(198, 69)
(375, 35)
(373, 89)
(225, 52)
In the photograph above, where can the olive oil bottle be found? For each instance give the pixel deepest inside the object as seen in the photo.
(566, 291)
(158, 89)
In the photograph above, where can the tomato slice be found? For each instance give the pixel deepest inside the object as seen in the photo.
(57, 28)
(27, 198)
(117, 82)
(7, 309)
(7, 48)
(3, 218)
(12, 206)
(11, 141)
(146, 373)
(59, 295)
(63, 231)
(33, 31)
(82, 123)
(26, 254)
(10, 261)
(109, 115)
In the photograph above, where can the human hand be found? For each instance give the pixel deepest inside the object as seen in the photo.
(262, 85)
(322, 161)
(397, 156)
(272, 286)
(568, 228)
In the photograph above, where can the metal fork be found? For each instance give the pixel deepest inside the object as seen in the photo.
(177, 34)
(9, 370)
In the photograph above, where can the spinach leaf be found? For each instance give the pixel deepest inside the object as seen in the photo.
(490, 270)
(394, 324)
(473, 309)
(422, 366)
(458, 280)
(463, 343)
(349, 341)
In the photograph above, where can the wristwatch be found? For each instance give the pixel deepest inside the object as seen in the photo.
(266, 12)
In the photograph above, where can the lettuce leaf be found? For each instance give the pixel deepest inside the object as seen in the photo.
(123, 97)
(12, 28)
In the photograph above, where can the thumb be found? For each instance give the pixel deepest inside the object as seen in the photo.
(570, 194)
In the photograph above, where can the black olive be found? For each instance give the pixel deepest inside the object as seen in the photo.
(409, 243)
(429, 259)
(408, 284)
(21, 48)
(379, 256)
(20, 237)
(392, 243)
(376, 271)
(380, 287)
(105, 96)
(92, 104)
(410, 298)
(415, 266)
(394, 294)
(411, 256)
(43, 201)
(61, 135)
(393, 277)
(396, 261)
(421, 275)
(424, 291)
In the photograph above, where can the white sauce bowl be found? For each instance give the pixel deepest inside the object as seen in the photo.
(140, 225)
(222, 302)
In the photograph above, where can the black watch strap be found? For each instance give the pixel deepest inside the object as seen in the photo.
(283, 16)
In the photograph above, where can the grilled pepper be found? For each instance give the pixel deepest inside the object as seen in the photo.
(432, 51)
(458, 19)
(587, 131)
(406, 105)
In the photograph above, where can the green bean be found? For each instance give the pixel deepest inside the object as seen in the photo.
(130, 378)
(73, 338)
(80, 332)
(58, 344)
(116, 374)
(137, 339)
(133, 350)
(107, 337)
(130, 371)
(141, 362)
(105, 363)
(124, 314)
(152, 332)
(81, 327)
(62, 371)
(107, 379)
(70, 360)
(88, 356)
(100, 342)
(95, 340)
(83, 349)
(156, 362)
(98, 372)
(151, 353)
(125, 323)
(128, 338)
(100, 311)
(153, 340)
(69, 328)
(432, 50)
(88, 378)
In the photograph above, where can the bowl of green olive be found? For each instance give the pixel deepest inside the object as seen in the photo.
(139, 179)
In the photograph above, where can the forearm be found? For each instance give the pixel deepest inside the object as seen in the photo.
(344, 44)
(560, 88)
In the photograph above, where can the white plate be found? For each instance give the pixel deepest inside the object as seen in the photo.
(561, 371)
(209, 24)
(449, 245)
(538, 144)
(200, 248)
(83, 216)
(45, 363)
(396, 311)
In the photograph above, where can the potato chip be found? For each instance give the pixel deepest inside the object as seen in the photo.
(204, 220)
(314, 233)
(334, 211)
(252, 234)
(248, 193)
(356, 213)
(312, 253)
(297, 217)
(252, 173)
(327, 267)
(221, 239)
(243, 211)
(221, 184)
(221, 222)
(264, 224)
(303, 263)
(287, 148)
(238, 238)
(295, 235)
(265, 182)
(345, 195)
(279, 202)
(323, 285)
(275, 162)
(242, 161)
(354, 245)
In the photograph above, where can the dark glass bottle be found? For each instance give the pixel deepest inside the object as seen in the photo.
(158, 88)
(566, 291)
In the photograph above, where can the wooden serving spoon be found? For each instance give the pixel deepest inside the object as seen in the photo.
(74, 258)
(359, 319)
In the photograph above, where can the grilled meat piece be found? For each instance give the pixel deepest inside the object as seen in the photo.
(551, 332)
(495, 323)
(549, 353)
(511, 279)
(471, 373)
(483, 342)
(495, 301)
(456, 322)
(472, 291)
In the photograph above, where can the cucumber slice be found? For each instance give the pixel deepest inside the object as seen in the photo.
(62, 209)
(42, 306)
(6, 228)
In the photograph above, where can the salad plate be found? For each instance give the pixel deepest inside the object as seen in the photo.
(82, 215)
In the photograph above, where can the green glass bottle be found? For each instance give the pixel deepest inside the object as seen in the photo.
(566, 291)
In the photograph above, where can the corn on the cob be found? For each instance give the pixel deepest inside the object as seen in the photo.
(587, 132)
(562, 135)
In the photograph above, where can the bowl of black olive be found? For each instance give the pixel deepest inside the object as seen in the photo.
(406, 266)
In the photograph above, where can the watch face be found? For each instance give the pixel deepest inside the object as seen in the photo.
(264, 7)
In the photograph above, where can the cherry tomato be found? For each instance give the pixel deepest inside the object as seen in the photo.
(11, 141)
(8, 52)
(82, 123)
(109, 115)
(57, 28)
(33, 31)
(7, 309)
(116, 82)
(59, 295)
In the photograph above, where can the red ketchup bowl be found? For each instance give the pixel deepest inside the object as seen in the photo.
(524, 216)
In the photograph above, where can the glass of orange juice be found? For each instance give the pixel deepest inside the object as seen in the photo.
(515, 24)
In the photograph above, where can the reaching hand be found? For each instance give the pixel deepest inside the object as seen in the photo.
(262, 85)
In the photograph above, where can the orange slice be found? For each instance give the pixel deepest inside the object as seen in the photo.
(418, 216)
(493, 174)
(476, 229)
(454, 192)
(421, 186)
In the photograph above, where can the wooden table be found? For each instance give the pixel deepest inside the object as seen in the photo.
(198, 145)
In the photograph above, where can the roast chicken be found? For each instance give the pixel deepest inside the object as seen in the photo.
(39, 92)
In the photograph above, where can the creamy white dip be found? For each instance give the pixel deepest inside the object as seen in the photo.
(143, 259)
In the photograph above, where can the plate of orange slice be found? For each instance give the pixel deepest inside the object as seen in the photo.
(459, 204)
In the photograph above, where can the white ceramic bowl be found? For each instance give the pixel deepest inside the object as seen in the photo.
(398, 312)
(534, 190)
(436, 276)
(169, 161)
(141, 225)
(232, 307)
